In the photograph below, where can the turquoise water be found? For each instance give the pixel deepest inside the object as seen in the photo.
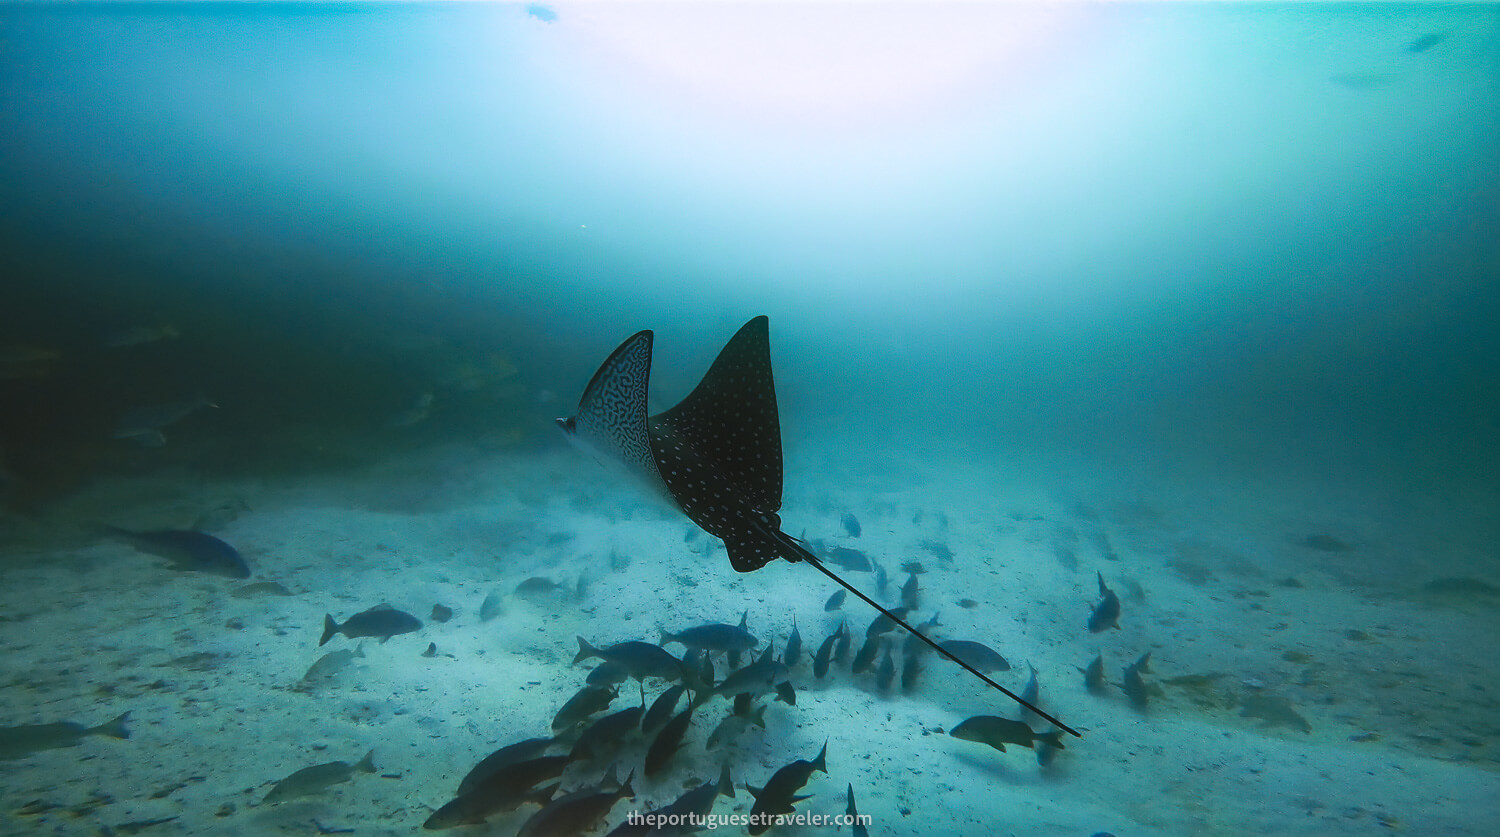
(1208, 279)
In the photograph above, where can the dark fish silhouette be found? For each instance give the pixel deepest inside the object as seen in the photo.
(189, 551)
(976, 654)
(841, 647)
(835, 601)
(491, 607)
(587, 701)
(1093, 676)
(849, 559)
(866, 656)
(606, 675)
(381, 621)
(716, 455)
(641, 659)
(1275, 710)
(1106, 613)
(793, 651)
(997, 732)
(668, 741)
(756, 678)
(20, 742)
(887, 671)
(715, 636)
(606, 734)
(1134, 685)
(693, 806)
(577, 812)
(780, 791)
(502, 789)
(851, 524)
(662, 708)
(910, 595)
(510, 754)
(825, 653)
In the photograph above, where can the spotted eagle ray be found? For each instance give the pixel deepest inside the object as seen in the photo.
(716, 455)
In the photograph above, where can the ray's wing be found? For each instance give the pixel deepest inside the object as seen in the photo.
(611, 416)
(730, 422)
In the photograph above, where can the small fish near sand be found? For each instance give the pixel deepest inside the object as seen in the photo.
(1134, 685)
(641, 659)
(580, 706)
(662, 709)
(997, 732)
(381, 621)
(328, 669)
(715, 636)
(606, 735)
(825, 652)
(851, 525)
(315, 779)
(20, 742)
(501, 789)
(835, 601)
(668, 741)
(849, 559)
(1093, 676)
(976, 654)
(491, 607)
(793, 650)
(513, 753)
(577, 812)
(692, 806)
(187, 550)
(778, 794)
(1275, 711)
(1106, 613)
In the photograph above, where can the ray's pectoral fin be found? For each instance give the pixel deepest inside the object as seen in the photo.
(611, 420)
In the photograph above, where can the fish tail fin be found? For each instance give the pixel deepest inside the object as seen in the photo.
(585, 651)
(821, 762)
(366, 764)
(666, 636)
(726, 784)
(1052, 738)
(626, 791)
(330, 628)
(114, 728)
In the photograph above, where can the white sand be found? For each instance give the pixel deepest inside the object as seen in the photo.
(91, 629)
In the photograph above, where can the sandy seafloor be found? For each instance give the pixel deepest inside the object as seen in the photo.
(1398, 684)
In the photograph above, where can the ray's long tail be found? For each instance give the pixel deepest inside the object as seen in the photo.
(802, 554)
